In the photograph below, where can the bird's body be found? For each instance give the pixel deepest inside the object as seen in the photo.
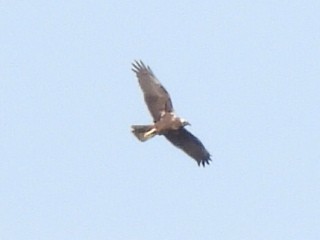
(166, 123)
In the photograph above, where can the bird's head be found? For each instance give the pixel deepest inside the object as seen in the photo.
(184, 122)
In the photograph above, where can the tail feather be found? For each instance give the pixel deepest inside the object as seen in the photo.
(143, 132)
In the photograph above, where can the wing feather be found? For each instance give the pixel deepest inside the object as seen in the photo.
(190, 144)
(155, 95)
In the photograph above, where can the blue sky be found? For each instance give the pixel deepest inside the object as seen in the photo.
(245, 74)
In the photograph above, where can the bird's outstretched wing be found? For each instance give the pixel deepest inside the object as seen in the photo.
(155, 95)
(191, 145)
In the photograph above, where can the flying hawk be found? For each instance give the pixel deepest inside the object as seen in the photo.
(166, 123)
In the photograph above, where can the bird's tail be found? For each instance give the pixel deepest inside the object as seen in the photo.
(144, 132)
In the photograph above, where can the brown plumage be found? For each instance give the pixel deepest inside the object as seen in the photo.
(166, 123)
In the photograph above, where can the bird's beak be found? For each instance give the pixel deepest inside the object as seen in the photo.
(187, 124)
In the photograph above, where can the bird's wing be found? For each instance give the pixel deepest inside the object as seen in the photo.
(155, 95)
(191, 145)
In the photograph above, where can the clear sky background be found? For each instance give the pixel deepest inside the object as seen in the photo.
(246, 74)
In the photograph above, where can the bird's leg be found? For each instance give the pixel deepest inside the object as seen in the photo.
(150, 133)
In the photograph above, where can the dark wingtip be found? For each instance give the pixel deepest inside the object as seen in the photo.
(137, 65)
(204, 161)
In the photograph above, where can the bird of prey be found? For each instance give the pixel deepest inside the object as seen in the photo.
(165, 122)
